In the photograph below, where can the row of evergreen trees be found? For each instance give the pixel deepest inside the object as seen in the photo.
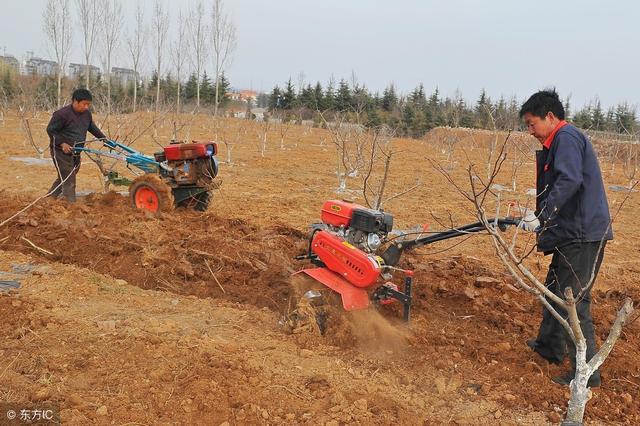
(41, 90)
(416, 113)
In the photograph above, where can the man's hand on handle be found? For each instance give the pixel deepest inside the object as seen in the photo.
(66, 148)
(529, 222)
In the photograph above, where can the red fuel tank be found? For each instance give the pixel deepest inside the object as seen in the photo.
(352, 264)
(185, 151)
(338, 212)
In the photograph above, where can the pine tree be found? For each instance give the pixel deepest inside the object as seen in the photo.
(275, 99)
(207, 90)
(433, 111)
(408, 119)
(223, 89)
(583, 118)
(318, 96)
(289, 96)
(389, 98)
(329, 97)
(418, 96)
(483, 111)
(343, 96)
(190, 88)
(625, 118)
(597, 116)
(307, 99)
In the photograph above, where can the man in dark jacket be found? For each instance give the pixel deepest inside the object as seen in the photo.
(68, 126)
(572, 222)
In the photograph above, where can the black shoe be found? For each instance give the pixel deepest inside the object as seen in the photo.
(540, 350)
(565, 380)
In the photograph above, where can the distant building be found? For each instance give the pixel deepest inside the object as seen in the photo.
(77, 71)
(249, 96)
(124, 76)
(39, 66)
(233, 95)
(243, 96)
(11, 61)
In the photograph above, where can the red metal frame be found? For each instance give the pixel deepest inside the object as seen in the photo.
(353, 298)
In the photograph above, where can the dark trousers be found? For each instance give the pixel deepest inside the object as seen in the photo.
(571, 266)
(67, 166)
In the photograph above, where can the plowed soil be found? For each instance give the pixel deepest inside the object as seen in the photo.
(127, 318)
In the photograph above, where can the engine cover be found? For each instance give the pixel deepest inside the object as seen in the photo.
(354, 265)
(338, 212)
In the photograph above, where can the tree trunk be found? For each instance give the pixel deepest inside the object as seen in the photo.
(198, 91)
(135, 92)
(178, 98)
(59, 88)
(228, 147)
(108, 86)
(215, 108)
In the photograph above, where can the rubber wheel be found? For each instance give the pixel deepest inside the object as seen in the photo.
(199, 202)
(150, 192)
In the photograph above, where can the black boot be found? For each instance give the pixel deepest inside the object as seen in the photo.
(544, 352)
(565, 380)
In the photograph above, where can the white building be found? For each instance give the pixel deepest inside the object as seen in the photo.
(124, 76)
(39, 66)
(77, 71)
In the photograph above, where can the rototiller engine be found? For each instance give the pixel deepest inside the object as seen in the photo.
(355, 253)
(182, 174)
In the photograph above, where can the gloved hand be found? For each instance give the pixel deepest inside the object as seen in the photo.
(529, 222)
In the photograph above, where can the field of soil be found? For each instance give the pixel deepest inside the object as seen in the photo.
(127, 318)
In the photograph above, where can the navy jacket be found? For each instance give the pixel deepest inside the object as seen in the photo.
(571, 203)
(68, 126)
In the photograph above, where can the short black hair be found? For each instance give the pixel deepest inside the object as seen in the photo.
(81, 95)
(543, 102)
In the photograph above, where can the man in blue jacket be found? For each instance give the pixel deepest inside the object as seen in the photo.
(571, 220)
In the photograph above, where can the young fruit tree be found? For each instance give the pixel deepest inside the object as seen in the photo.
(378, 168)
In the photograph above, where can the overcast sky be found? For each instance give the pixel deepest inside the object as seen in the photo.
(584, 48)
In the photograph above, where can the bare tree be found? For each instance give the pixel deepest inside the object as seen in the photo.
(179, 55)
(350, 141)
(284, 125)
(223, 31)
(26, 128)
(630, 165)
(90, 17)
(197, 39)
(57, 27)
(160, 25)
(263, 133)
(374, 182)
(137, 43)
(112, 14)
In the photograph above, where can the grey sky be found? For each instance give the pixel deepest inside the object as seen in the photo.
(584, 48)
